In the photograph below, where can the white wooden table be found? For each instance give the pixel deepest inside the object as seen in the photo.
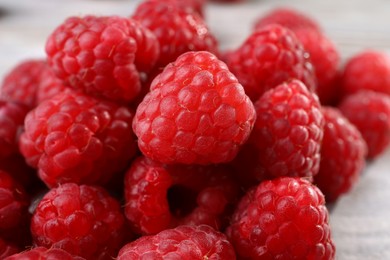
(360, 220)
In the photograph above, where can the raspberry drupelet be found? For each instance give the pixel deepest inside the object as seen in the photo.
(287, 135)
(369, 111)
(12, 116)
(77, 138)
(184, 242)
(103, 56)
(195, 113)
(21, 83)
(49, 86)
(269, 57)
(343, 153)
(179, 32)
(285, 218)
(82, 220)
(162, 196)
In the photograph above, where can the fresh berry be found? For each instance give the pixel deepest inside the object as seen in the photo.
(21, 83)
(49, 86)
(325, 58)
(103, 56)
(269, 57)
(183, 242)
(160, 196)
(189, 5)
(343, 154)
(283, 218)
(370, 112)
(288, 132)
(367, 70)
(178, 32)
(290, 18)
(76, 138)
(11, 125)
(43, 253)
(195, 113)
(7, 249)
(82, 220)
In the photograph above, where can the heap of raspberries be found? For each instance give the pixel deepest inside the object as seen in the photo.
(132, 139)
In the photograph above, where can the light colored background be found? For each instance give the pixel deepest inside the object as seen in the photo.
(361, 220)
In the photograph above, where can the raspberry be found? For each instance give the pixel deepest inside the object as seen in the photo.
(189, 5)
(196, 112)
(368, 70)
(77, 138)
(290, 18)
(49, 86)
(326, 60)
(269, 57)
(82, 220)
(183, 242)
(7, 249)
(11, 124)
(21, 83)
(180, 31)
(103, 56)
(160, 196)
(43, 253)
(370, 112)
(288, 132)
(283, 218)
(343, 153)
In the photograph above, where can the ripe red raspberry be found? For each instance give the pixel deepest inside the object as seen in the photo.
(290, 18)
(43, 253)
(178, 32)
(288, 132)
(49, 86)
(283, 218)
(367, 70)
(21, 83)
(183, 242)
(160, 196)
(82, 220)
(11, 124)
(325, 58)
(189, 5)
(196, 112)
(7, 249)
(370, 112)
(269, 57)
(76, 138)
(343, 154)
(103, 56)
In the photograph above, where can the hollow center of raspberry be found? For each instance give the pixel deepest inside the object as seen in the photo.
(182, 200)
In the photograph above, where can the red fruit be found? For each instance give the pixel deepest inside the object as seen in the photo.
(21, 83)
(326, 60)
(77, 138)
(82, 220)
(343, 153)
(11, 125)
(7, 249)
(269, 57)
(49, 86)
(189, 5)
(288, 132)
(183, 242)
(290, 18)
(160, 196)
(43, 253)
(196, 112)
(370, 112)
(102, 56)
(179, 32)
(283, 218)
(367, 70)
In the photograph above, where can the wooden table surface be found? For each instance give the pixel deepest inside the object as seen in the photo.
(360, 220)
